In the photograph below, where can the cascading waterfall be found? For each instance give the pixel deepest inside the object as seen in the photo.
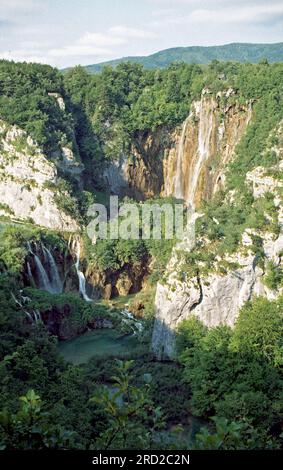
(55, 281)
(44, 282)
(178, 189)
(50, 283)
(204, 134)
(34, 316)
(81, 276)
(37, 316)
(205, 126)
(30, 275)
(132, 322)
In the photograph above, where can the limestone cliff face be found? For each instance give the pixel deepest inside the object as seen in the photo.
(121, 282)
(26, 176)
(217, 298)
(194, 169)
(140, 173)
(186, 162)
(66, 159)
(145, 169)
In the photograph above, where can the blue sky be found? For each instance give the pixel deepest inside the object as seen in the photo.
(69, 32)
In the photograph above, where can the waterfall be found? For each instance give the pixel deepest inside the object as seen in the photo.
(82, 286)
(29, 316)
(30, 248)
(178, 189)
(55, 281)
(30, 275)
(27, 313)
(44, 282)
(131, 321)
(82, 281)
(50, 283)
(204, 134)
(37, 316)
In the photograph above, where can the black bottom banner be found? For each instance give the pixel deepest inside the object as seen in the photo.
(125, 459)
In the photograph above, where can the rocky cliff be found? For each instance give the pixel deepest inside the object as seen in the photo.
(194, 169)
(28, 180)
(186, 162)
(140, 173)
(215, 297)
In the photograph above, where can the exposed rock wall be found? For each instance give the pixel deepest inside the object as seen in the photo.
(186, 162)
(25, 179)
(140, 173)
(194, 169)
(121, 282)
(216, 298)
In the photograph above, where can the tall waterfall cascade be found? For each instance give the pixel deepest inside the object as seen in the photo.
(55, 281)
(81, 276)
(186, 182)
(178, 183)
(48, 275)
(196, 167)
(204, 134)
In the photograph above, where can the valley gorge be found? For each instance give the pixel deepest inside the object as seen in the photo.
(163, 312)
(188, 163)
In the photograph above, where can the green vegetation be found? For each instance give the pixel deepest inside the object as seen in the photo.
(220, 229)
(107, 113)
(14, 244)
(117, 103)
(235, 375)
(229, 435)
(121, 254)
(274, 276)
(201, 55)
(132, 420)
(31, 427)
(72, 314)
(25, 101)
(231, 374)
(115, 254)
(121, 105)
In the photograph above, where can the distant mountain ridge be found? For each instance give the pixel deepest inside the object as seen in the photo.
(239, 52)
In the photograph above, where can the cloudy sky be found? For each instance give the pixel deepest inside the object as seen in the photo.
(69, 32)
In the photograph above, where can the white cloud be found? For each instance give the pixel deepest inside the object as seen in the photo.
(9, 9)
(253, 14)
(88, 45)
(237, 15)
(78, 51)
(135, 33)
(99, 39)
(26, 55)
(35, 31)
(17, 4)
(93, 44)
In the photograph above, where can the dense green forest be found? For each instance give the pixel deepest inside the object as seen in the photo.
(24, 100)
(201, 55)
(228, 380)
(233, 376)
(105, 111)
